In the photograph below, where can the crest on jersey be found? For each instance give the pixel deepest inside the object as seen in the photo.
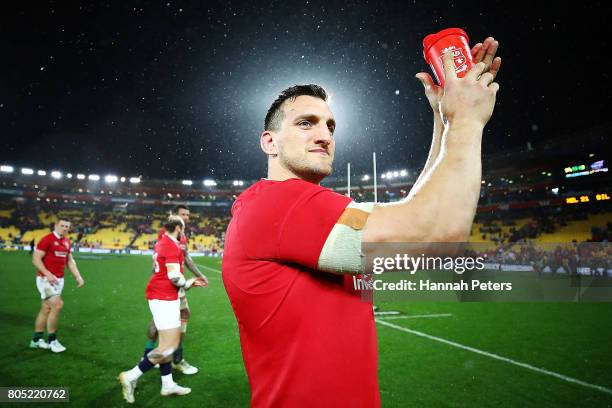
(56, 243)
(458, 57)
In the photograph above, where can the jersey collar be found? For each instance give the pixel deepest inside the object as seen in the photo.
(172, 238)
(57, 235)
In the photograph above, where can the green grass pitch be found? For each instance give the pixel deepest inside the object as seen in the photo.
(103, 325)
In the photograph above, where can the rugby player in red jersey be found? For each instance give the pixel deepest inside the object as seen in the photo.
(178, 362)
(308, 339)
(50, 258)
(162, 295)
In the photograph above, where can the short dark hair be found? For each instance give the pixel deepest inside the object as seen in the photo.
(171, 223)
(275, 115)
(179, 207)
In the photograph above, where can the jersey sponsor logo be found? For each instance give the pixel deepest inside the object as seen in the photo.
(56, 243)
(61, 254)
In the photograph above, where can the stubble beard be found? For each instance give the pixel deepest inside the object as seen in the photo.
(304, 169)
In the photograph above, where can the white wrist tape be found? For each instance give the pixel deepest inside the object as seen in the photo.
(175, 275)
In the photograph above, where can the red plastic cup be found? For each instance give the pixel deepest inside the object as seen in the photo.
(451, 39)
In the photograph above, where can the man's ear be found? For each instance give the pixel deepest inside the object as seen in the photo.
(266, 141)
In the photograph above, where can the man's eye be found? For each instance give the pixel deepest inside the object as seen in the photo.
(304, 123)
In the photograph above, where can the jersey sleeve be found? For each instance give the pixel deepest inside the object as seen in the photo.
(43, 244)
(291, 222)
(170, 253)
(307, 224)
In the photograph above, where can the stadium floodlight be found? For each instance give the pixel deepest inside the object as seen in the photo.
(42, 173)
(94, 177)
(384, 176)
(210, 183)
(134, 180)
(27, 171)
(396, 174)
(109, 178)
(6, 169)
(81, 176)
(365, 178)
(123, 179)
(238, 183)
(56, 174)
(69, 175)
(187, 182)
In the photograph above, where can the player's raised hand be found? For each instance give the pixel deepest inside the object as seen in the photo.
(468, 99)
(433, 92)
(484, 51)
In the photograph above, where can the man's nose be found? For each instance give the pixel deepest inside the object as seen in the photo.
(323, 136)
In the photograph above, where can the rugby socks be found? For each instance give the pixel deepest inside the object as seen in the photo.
(177, 357)
(37, 336)
(142, 367)
(51, 337)
(145, 365)
(165, 370)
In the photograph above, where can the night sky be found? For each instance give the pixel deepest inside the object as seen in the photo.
(179, 90)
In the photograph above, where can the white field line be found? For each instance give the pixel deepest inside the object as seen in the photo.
(475, 350)
(497, 357)
(208, 268)
(415, 316)
(391, 312)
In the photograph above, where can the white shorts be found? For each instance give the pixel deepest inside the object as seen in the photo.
(46, 289)
(166, 313)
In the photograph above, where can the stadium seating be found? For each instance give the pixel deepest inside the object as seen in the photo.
(112, 238)
(110, 229)
(9, 233)
(576, 230)
(144, 241)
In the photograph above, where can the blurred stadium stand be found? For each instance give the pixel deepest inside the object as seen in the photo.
(548, 192)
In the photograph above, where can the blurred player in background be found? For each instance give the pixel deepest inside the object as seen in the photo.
(162, 294)
(308, 339)
(178, 362)
(50, 258)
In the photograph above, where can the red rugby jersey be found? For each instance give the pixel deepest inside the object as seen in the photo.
(167, 250)
(307, 337)
(56, 250)
(183, 241)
